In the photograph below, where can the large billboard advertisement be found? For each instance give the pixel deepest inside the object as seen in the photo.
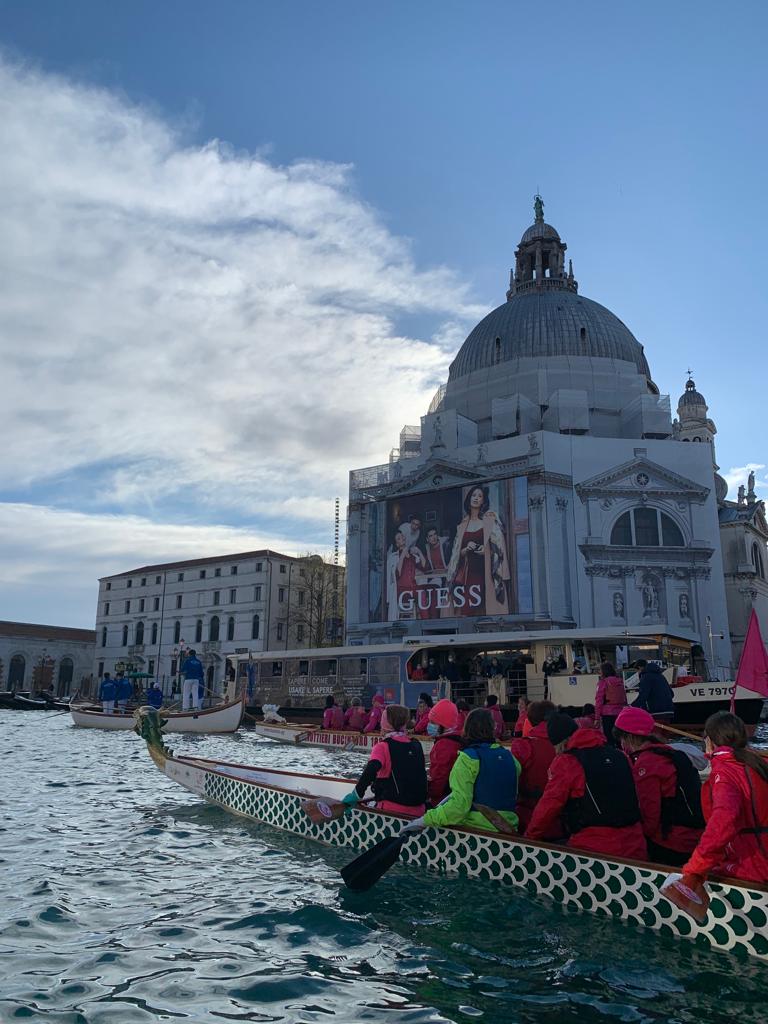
(463, 551)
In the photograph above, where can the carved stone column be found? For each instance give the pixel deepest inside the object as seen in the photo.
(538, 540)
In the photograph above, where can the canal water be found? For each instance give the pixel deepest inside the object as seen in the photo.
(126, 900)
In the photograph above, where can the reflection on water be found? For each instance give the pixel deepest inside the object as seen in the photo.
(127, 900)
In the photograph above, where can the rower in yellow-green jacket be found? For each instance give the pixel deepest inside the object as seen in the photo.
(485, 775)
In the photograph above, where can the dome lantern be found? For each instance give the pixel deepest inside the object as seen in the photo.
(540, 259)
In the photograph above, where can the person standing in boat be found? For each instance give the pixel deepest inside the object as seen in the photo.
(107, 694)
(333, 716)
(535, 754)
(654, 694)
(396, 771)
(124, 692)
(374, 715)
(483, 782)
(423, 708)
(610, 699)
(192, 670)
(492, 704)
(590, 798)
(443, 725)
(355, 716)
(735, 803)
(668, 788)
(154, 695)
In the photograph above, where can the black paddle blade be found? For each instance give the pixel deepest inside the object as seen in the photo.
(365, 871)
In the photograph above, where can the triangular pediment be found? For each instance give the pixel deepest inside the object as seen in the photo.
(438, 472)
(641, 476)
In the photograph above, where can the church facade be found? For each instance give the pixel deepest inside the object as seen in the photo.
(548, 487)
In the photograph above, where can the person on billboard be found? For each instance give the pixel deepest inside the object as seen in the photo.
(402, 563)
(432, 576)
(411, 530)
(479, 567)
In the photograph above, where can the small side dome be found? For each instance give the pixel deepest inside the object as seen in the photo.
(691, 396)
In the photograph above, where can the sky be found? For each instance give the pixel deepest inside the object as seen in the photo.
(241, 242)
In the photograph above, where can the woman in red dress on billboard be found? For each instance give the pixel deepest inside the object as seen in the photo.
(479, 567)
(401, 578)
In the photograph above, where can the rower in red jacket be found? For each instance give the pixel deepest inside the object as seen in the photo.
(355, 716)
(668, 788)
(374, 715)
(333, 716)
(590, 796)
(735, 803)
(535, 754)
(444, 726)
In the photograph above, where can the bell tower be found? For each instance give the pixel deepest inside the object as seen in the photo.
(693, 423)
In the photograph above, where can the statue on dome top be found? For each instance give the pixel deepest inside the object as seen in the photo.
(538, 208)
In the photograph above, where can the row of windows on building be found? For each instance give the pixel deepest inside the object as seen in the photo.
(214, 629)
(202, 574)
(257, 596)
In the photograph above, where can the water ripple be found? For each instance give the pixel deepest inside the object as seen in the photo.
(128, 901)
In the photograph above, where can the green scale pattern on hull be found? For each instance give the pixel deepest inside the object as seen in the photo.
(738, 918)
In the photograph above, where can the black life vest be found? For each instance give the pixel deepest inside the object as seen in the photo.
(407, 783)
(684, 808)
(610, 797)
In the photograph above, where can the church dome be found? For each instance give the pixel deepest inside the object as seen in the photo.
(548, 323)
(539, 230)
(544, 316)
(691, 396)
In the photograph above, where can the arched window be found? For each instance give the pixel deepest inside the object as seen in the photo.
(125, 636)
(230, 628)
(154, 633)
(139, 632)
(66, 671)
(104, 636)
(213, 628)
(648, 528)
(198, 631)
(176, 631)
(757, 561)
(255, 628)
(16, 671)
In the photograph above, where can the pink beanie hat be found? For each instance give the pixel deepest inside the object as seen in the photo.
(635, 721)
(444, 713)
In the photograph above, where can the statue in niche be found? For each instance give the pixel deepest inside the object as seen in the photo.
(618, 605)
(684, 606)
(650, 599)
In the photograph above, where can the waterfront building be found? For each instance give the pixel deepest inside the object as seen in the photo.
(547, 487)
(35, 657)
(252, 600)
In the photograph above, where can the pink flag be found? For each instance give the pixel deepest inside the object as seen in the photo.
(752, 673)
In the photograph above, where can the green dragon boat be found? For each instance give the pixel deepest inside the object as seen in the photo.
(737, 920)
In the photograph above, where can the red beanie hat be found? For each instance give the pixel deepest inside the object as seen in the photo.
(635, 721)
(444, 713)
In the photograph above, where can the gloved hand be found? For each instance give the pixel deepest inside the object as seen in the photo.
(350, 800)
(415, 826)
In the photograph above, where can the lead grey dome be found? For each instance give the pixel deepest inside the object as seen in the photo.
(539, 324)
(539, 230)
(691, 396)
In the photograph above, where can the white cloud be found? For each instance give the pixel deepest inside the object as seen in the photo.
(185, 327)
(47, 553)
(738, 475)
(201, 318)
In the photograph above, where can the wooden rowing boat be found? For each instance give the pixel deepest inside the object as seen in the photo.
(628, 890)
(330, 739)
(220, 719)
